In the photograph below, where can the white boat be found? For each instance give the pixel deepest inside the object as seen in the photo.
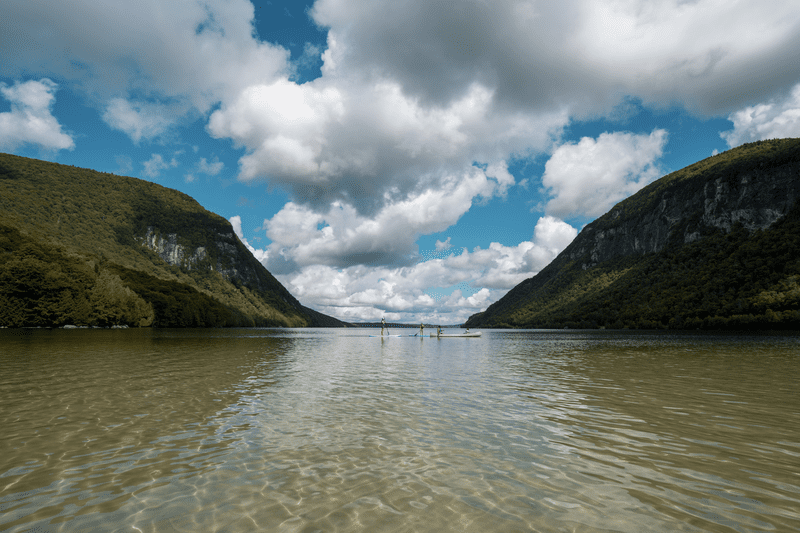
(465, 334)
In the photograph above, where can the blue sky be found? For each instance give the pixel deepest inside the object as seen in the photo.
(405, 159)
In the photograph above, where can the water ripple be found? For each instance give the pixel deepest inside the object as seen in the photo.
(296, 430)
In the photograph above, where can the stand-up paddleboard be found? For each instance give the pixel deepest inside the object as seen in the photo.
(435, 336)
(385, 336)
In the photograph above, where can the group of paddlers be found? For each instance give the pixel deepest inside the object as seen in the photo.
(421, 329)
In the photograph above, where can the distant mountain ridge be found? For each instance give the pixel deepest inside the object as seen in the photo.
(87, 229)
(714, 245)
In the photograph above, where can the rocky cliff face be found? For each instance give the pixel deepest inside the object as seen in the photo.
(223, 253)
(687, 209)
(227, 258)
(173, 253)
(707, 246)
(218, 251)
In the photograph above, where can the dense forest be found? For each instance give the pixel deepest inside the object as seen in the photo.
(736, 278)
(79, 247)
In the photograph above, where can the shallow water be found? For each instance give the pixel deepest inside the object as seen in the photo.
(331, 430)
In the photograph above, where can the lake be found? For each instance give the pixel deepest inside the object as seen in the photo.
(332, 430)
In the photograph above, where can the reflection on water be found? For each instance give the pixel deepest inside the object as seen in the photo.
(305, 430)
(703, 429)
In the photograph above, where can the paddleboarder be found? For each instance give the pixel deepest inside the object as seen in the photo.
(383, 325)
(421, 330)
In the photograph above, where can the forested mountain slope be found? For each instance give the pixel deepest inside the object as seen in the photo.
(85, 247)
(714, 245)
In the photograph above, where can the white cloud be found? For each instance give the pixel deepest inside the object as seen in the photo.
(311, 58)
(443, 246)
(411, 91)
(236, 222)
(589, 177)
(367, 293)
(341, 237)
(205, 167)
(363, 292)
(139, 119)
(425, 57)
(366, 144)
(503, 267)
(30, 120)
(778, 118)
(710, 55)
(213, 168)
(414, 94)
(156, 163)
(192, 53)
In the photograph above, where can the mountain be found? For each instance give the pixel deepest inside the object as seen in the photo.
(715, 245)
(90, 248)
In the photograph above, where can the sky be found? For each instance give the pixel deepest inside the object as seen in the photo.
(406, 159)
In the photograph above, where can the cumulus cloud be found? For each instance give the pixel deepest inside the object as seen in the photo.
(205, 167)
(156, 163)
(366, 292)
(342, 237)
(503, 267)
(698, 53)
(367, 144)
(775, 119)
(414, 93)
(589, 177)
(236, 223)
(711, 56)
(310, 59)
(139, 119)
(125, 55)
(443, 246)
(411, 91)
(30, 120)
(211, 168)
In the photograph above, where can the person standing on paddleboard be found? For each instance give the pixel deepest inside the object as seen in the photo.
(383, 325)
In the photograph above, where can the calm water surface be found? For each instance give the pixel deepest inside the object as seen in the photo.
(331, 430)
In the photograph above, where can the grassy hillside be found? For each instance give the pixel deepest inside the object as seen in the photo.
(724, 279)
(90, 227)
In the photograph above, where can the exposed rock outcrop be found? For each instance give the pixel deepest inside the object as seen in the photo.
(168, 249)
(754, 198)
(704, 247)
